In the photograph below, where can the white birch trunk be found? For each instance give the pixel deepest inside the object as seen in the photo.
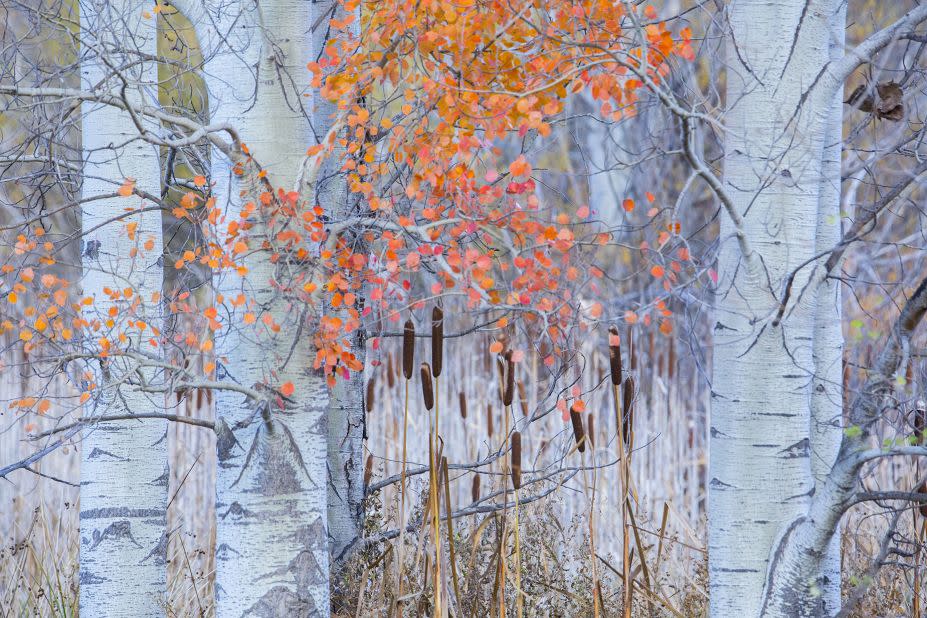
(760, 466)
(123, 494)
(827, 386)
(346, 432)
(346, 416)
(272, 550)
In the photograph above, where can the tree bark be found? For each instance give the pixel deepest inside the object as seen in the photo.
(760, 439)
(346, 414)
(827, 350)
(123, 495)
(272, 550)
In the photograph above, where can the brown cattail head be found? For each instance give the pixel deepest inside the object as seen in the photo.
(627, 416)
(500, 366)
(368, 470)
(408, 349)
(632, 352)
(437, 341)
(475, 489)
(463, 404)
(590, 426)
(428, 393)
(919, 421)
(614, 355)
(368, 397)
(522, 397)
(922, 489)
(516, 460)
(390, 370)
(577, 419)
(508, 392)
(489, 431)
(542, 447)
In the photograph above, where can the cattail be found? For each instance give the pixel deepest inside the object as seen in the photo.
(463, 404)
(390, 371)
(542, 447)
(428, 393)
(614, 355)
(590, 425)
(368, 399)
(437, 341)
(368, 470)
(632, 352)
(523, 398)
(578, 433)
(408, 349)
(475, 489)
(516, 460)
(627, 417)
(508, 393)
(500, 366)
(671, 363)
(922, 489)
(919, 422)
(489, 431)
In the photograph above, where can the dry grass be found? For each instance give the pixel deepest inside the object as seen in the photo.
(556, 574)
(553, 567)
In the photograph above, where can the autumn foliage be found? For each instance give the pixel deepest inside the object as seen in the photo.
(440, 106)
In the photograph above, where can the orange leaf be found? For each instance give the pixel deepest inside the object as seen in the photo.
(496, 347)
(287, 389)
(127, 187)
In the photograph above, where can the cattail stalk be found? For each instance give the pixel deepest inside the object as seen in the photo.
(516, 483)
(402, 483)
(450, 527)
(434, 500)
(408, 359)
(624, 424)
(627, 417)
(428, 397)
